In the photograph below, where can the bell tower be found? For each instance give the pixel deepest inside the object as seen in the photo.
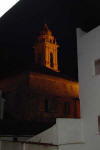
(46, 50)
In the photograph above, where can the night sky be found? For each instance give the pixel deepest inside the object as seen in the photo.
(20, 27)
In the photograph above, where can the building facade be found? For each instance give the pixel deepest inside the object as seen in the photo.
(44, 95)
(89, 82)
(83, 133)
(41, 93)
(39, 96)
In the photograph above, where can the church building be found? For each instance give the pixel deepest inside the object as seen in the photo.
(41, 93)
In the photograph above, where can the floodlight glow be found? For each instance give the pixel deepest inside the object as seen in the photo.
(5, 5)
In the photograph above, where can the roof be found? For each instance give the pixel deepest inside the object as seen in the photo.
(34, 68)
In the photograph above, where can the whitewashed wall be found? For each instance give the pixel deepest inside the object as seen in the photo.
(11, 146)
(89, 86)
(64, 133)
(69, 131)
(4, 145)
(39, 147)
(49, 136)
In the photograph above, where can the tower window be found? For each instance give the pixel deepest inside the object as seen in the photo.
(50, 105)
(54, 41)
(67, 108)
(51, 60)
(50, 41)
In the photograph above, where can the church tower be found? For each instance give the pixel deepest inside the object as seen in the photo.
(45, 50)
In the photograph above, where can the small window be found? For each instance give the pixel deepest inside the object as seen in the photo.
(47, 105)
(54, 41)
(75, 107)
(99, 124)
(51, 60)
(97, 67)
(50, 41)
(50, 105)
(67, 108)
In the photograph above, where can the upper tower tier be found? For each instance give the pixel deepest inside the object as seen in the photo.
(46, 50)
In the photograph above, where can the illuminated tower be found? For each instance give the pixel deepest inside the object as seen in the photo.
(45, 50)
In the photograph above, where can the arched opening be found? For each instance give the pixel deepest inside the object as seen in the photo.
(51, 60)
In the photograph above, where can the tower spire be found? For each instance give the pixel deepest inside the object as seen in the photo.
(46, 50)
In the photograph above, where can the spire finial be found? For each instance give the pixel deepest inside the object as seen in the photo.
(46, 30)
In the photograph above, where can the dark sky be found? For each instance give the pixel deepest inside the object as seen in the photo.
(20, 27)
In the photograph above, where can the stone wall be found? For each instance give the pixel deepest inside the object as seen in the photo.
(26, 96)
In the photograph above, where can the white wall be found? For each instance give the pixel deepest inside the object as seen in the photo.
(49, 136)
(8, 145)
(64, 132)
(10, 138)
(89, 86)
(40, 147)
(69, 131)
(11, 146)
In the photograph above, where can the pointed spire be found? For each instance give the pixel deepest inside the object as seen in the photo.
(46, 30)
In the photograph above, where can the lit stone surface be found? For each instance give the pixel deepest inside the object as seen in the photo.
(46, 50)
(26, 95)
